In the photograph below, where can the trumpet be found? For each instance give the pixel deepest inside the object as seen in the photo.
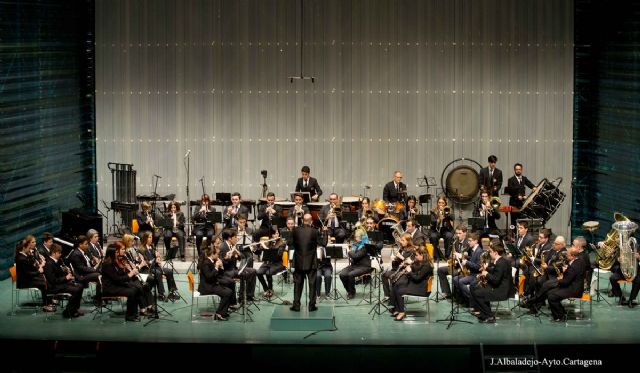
(298, 211)
(334, 211)
(414, 211)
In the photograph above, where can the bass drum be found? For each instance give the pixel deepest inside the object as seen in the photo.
(385, 226)
(461, 182)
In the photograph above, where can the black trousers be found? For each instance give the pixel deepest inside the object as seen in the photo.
(348, 277)
(326, 272)
(298, 285)
(225, 294)
(447, 236)
(267, 270)
(76, 296)
(200, 232)
(133, 295)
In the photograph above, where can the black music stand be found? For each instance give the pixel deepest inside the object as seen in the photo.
(157, 308)
(423, 220)
(476, 223)
(170, 254)
(278, 221)
(213, 218)
(223, 199)
(350, 217)
(373, 252)
(375, 236)
(455, 308)
(335, 252)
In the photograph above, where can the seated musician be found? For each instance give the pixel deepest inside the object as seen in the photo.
(118, 280)
(177, 219)
(417, 236)
(365, 211)
(325, 271)
(266, 213)
(84, 265)
(230, 256)
(137, 261)
(532, 267)
(360, 263)
(245, 237)
(570, 281)
(329, 217)
(214, 281)
(236, 209)
(308, 184)
(370, 225)
(546, 266)
(495, 285)
(298, 210)
(60, 280)
(94, 245)
(461, 245)
(485, 210)
(412, 209)
(405, 251)
(616, 275)
(47, 242)
(30, 269)
(154, 260)
(268, 269)
(463, 280)
(202, 228)
(412, 281)
(442, 226)
(147, 219)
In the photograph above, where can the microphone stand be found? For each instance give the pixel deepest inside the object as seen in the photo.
(106, 216)
(187, 232)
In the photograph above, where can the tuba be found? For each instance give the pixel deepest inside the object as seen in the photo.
(607, 250)
(397, 231)
(627, 244)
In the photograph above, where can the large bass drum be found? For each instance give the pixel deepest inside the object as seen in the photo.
(543, 201)
(461, 181)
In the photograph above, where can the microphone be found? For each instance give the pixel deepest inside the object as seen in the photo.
(158, 176)
(188, 152)
(201, 179)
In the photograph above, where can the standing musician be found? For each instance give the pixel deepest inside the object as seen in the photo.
(329, 216)
(30, 270)
(47, 242)
(236, 209)
(268, 269)
(460, 246)
(306, 240)
(60, 280)
(464, 281)
(147, 219)
(413, 282)
(395, 190)
(516, 189)
(202, 228)
(298, 210)
(360, 263)
(490, 177)
(265, 214)
(177, 219)
(214, 281)
(85, 268)
(152, 257)
(535, 257)
(406, 251)
(485, 210)
(118, 279)
(230, 256)
(308, 184)
(496, 284)
(442, 225)
(365, 211)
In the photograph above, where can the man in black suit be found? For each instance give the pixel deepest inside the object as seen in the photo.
(306, 240)
(499, 282)
(229, 258)
(531, 273)
(83, 263)
(395, 190)
(61, 280)
(516, 189)
(232, 212)
(47, 243)
(460, 245)
(472, 264)
(308, 184)
(329, 218)
(570, 282)
(491, 177)
(417, 237)
(485, 210)
(266, 214)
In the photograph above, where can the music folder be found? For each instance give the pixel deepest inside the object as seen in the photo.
(476, 223)
(214, 217)
(371, 250)
(224, 198)
(334, 251)
(375, 236)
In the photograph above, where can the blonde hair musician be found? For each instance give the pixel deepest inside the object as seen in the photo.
(360, 263)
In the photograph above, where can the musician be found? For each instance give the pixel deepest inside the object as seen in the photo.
(365, 211)
(177, 219)
(516, 189)
(549, 276)
(329, 218)
(418, 238)
(245, 237)
(306, 240)
(308, 184)
(442, 225)
(266, 213)
(268, 269)
(570, 282)
(94, 244)
(490, 177)
(214, 281)
(406, 250)
(298, 210)
(60, 280)
(201, 227)
(30, 270)
(461, 281)
(47, 243)
(325, 271)
(395, 190)
(152, 257)
(230, 256)
(460, 246)
(118, 280)
(524, 239)
(84, 266)
(498, 284)
(413, 282)
(528, 269)
(410, 210)
(147, 219)
(488, 213)
(233, 211)
(616, 275)
(370, 225)
(360, 263)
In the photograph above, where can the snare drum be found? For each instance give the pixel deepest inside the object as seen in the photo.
(591, 225)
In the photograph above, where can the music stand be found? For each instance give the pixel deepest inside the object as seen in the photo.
(423, 220)
(375, 236)
(279, 221)
(454, 306)
(350, 217)
(223, 198)
(335, 252)
(170, 254)
(306, 196)
(476, 223)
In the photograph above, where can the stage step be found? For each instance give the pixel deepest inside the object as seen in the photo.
(283, 319)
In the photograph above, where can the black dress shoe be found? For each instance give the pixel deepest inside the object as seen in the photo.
(313, 308)
(294, 309)
(632, 304)
(132, 318)
(220, 317)
(489, 320)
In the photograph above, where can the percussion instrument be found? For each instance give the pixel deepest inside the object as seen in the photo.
(543, 201)
(380, 205)
(461, 184)
(591, 226)
(386, 226)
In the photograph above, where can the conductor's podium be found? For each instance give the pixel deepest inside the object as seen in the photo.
(283, 319)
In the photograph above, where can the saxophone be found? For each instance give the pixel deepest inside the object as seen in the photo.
(485, 258)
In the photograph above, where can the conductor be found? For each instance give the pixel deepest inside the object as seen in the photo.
(305, 240)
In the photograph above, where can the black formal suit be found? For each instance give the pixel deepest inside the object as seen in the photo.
(27, 275)
(179, 232)
(443, 230)
(44, 251)
(413, 283)
(214, 281)
(530, 272)
(298, 219)
(491, 184)
(149, 256)
(306, 240)
(418, 238)
(489, 218)
(82, 268)
(515, 189)
(266, 220)
(116, 282)
(393, 194)
(230, 221)
(442, 272)
(464, 283)
(248, 275)
(57, 282)
(335, 229)
(570, 286)
(268, 269)
(499, 284)
(201, 228)
(312, 187)
(143, 226)
(360, 264)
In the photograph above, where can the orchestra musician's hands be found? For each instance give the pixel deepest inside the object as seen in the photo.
(219, 264)
(315, 197)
